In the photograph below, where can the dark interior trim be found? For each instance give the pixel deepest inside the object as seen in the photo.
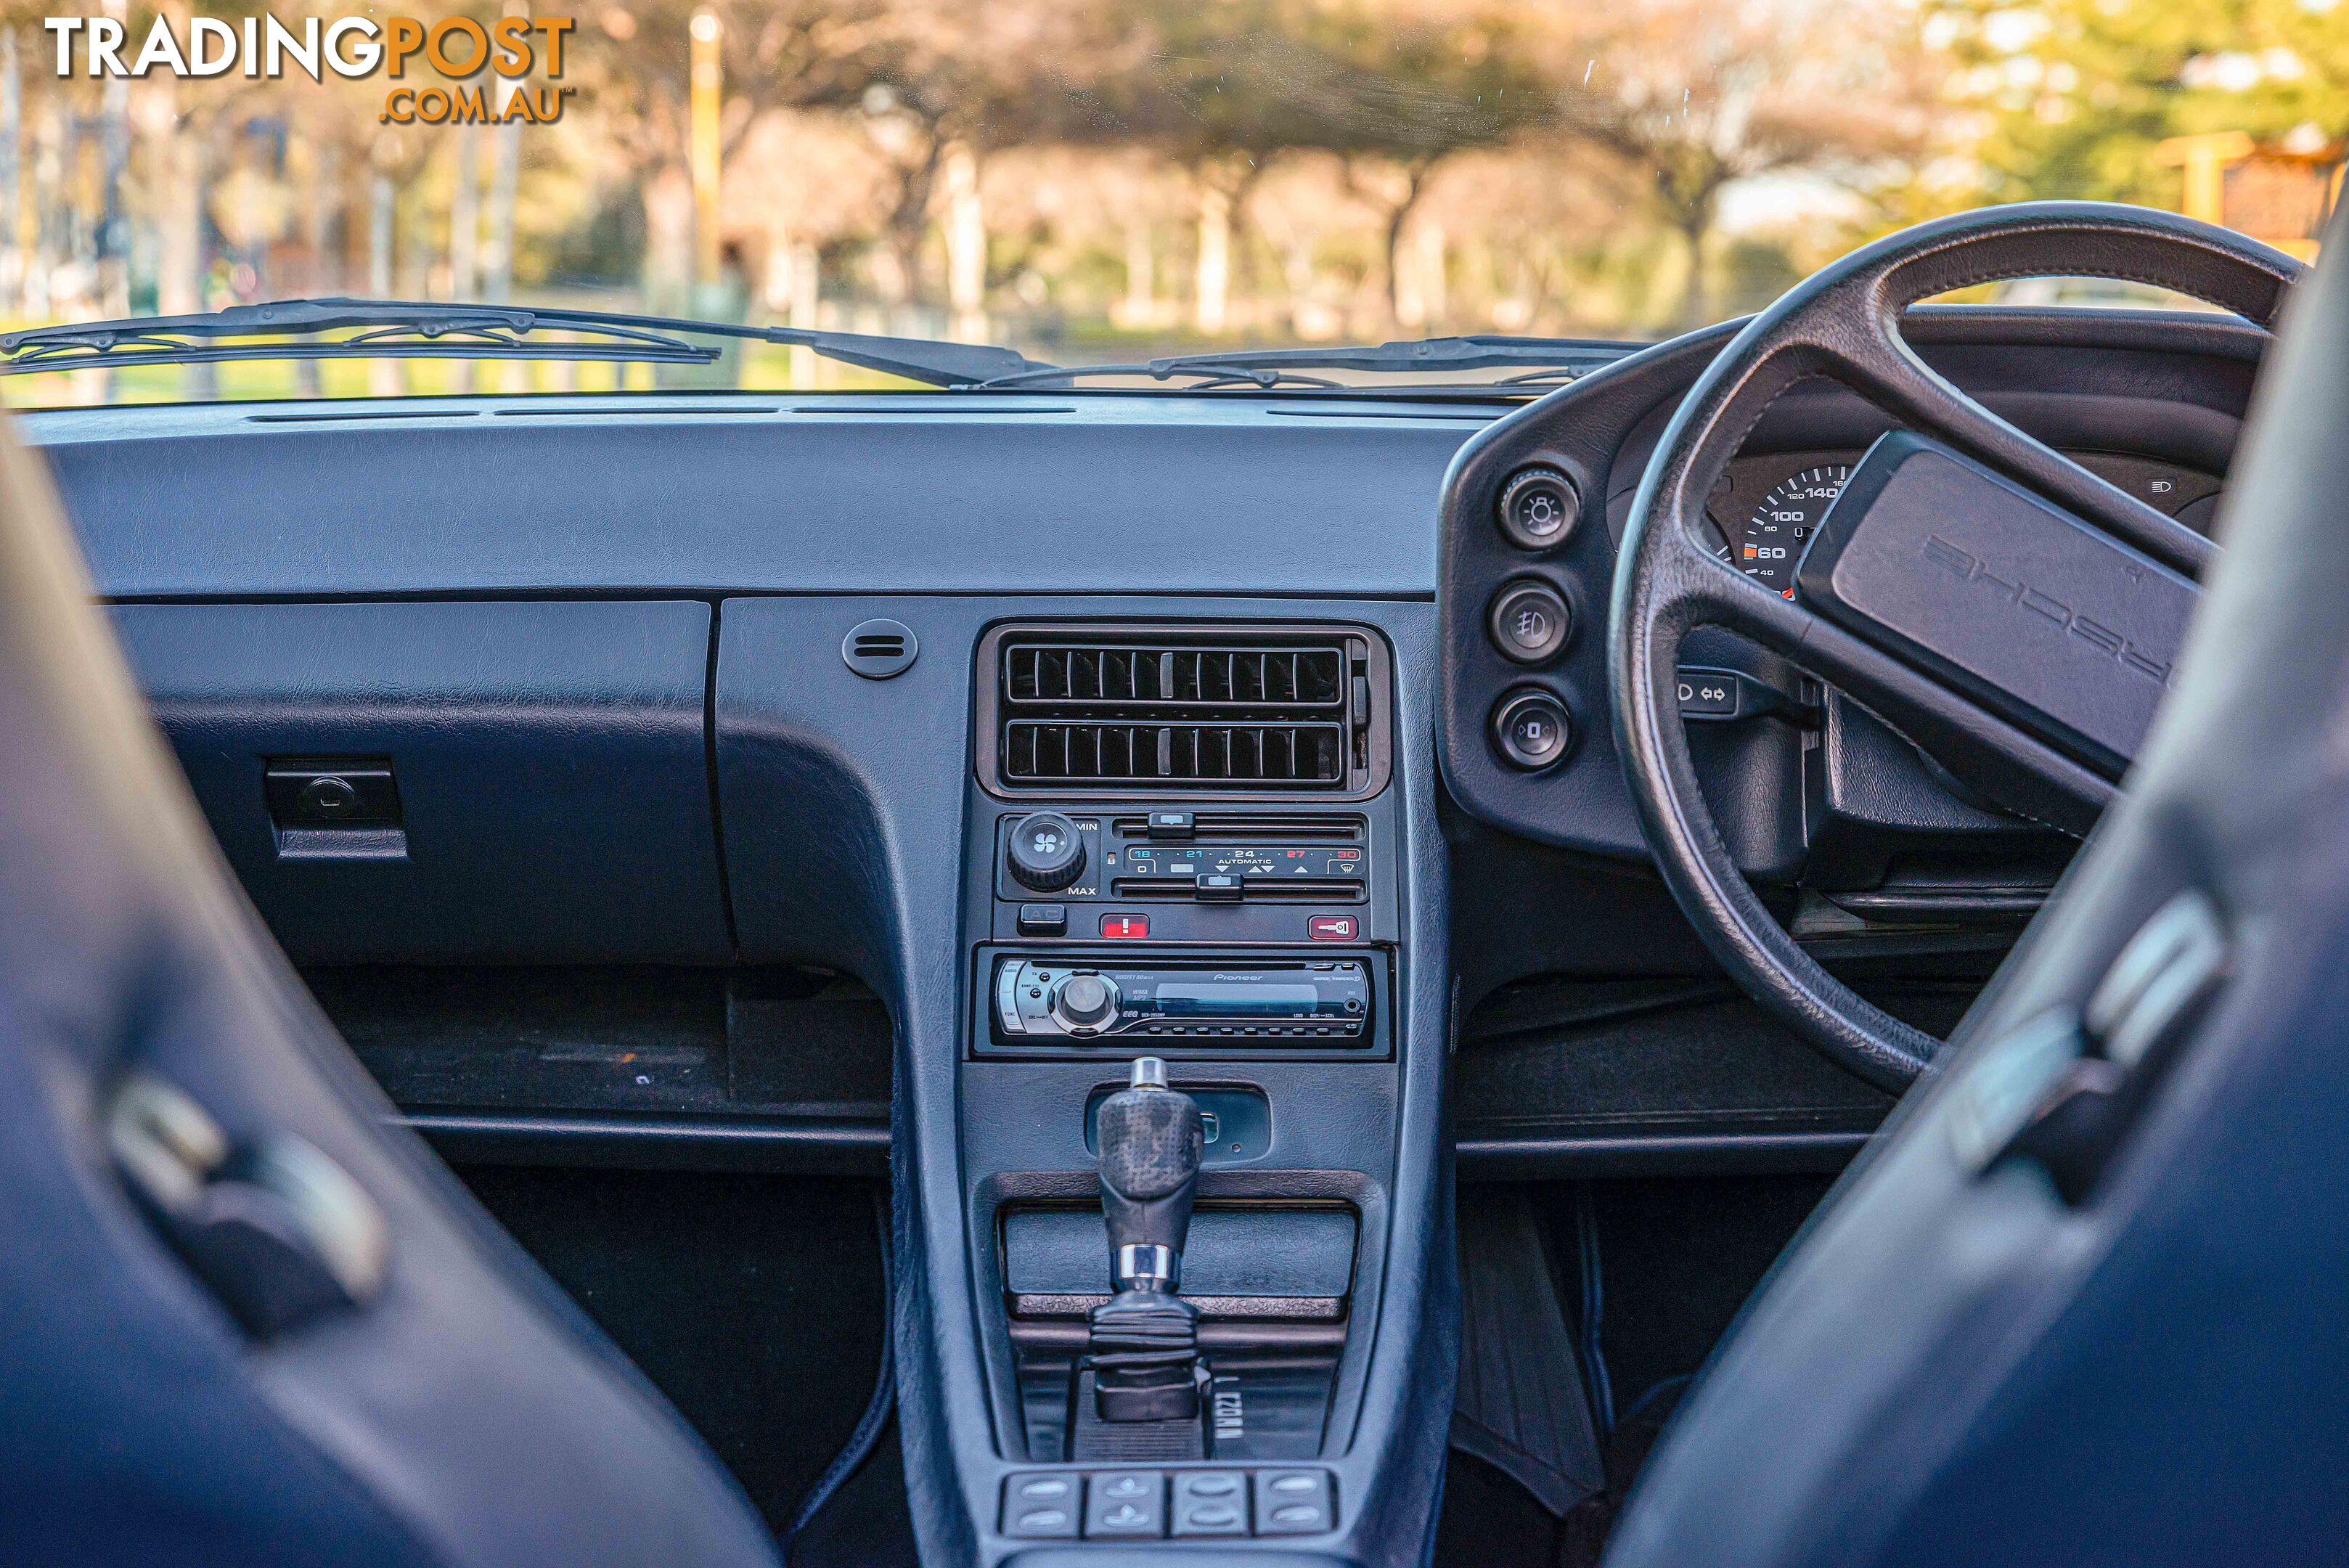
(1656, 1154)
(859, 1149)
(780, 1144)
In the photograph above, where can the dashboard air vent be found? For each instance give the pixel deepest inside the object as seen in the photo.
(1276, 711)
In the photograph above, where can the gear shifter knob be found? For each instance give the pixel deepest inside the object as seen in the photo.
(1144, 1340)
(1151, 1142)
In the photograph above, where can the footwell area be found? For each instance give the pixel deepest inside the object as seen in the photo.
(1659, 1269)
(753, 1301)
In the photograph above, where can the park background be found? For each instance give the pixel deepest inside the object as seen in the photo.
(1094, 180)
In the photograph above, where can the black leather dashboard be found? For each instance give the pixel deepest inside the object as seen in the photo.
(566, 616)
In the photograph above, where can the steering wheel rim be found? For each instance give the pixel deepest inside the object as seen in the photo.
(1844, 323)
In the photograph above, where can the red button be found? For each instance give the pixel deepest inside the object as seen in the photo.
(1332, 927)
(1125, 925)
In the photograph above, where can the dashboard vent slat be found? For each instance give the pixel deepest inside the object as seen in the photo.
(1174, 679)
(1172, 709)
(1094, 751)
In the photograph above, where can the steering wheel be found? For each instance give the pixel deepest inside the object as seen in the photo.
(1983, 717)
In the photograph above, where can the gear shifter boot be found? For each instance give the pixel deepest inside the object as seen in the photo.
(1145, 1338)
(1145, 1357)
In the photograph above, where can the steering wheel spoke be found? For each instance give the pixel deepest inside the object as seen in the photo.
(1959, 661)
(2018, 770)
(1888, 372)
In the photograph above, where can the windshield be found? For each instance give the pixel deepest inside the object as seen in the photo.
(1087, 182)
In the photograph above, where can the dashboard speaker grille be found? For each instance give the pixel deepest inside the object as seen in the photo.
(1283, 713)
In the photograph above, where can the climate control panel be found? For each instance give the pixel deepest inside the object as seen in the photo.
(1203, 856)
(1182, 874)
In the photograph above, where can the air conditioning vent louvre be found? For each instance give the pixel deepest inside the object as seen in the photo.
(1171, 679)
(1259, 708)
(1046, 751)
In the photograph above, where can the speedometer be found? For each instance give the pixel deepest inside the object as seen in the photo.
(1771, 541)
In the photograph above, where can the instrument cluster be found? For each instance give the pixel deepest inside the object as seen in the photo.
(1768, 505)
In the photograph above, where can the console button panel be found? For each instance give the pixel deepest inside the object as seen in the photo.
(1149, 1504)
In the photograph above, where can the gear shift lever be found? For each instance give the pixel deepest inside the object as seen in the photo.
(1145, 1338)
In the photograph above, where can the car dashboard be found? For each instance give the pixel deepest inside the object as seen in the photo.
(854, 783)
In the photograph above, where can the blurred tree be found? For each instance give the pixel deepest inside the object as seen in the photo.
(1393, 88)
(1701, 95)
(2079, 91)
(924, 76)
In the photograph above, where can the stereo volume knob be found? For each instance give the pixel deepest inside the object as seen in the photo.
(1085, 1001)
(1047, 852)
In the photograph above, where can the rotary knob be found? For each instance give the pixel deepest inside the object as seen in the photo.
(1085, 1001)
(1538, 508)
(1047, 852)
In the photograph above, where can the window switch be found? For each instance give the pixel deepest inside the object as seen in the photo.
(1210, 1502)
(1125, 1504)
(1294, 1502)
(1042, 1505)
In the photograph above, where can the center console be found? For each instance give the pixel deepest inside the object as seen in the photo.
(1180, 1087)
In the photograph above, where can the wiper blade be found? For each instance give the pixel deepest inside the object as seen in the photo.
(1203, 370)
(1546, 359)
(409, 329)
(1485, 352)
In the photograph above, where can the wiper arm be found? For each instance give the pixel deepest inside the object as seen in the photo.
(1552, 358)
(407, 329)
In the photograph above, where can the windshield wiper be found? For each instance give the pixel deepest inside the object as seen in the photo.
(1202, 370)
(401, 329)
(1545, 360)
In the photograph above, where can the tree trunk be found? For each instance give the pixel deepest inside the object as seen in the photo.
(505, 174)
(465, 217)
(1140, 275)
(899, 272)
(806, 311)
(12, 192)
(1212, 300)
(324, 222)
(966, 247)
(1696, 300)
(114, 221)
(465, 238)
(180, 219)
(385, 376)
(1414, 186)
(1434, 295)
(49, 238)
